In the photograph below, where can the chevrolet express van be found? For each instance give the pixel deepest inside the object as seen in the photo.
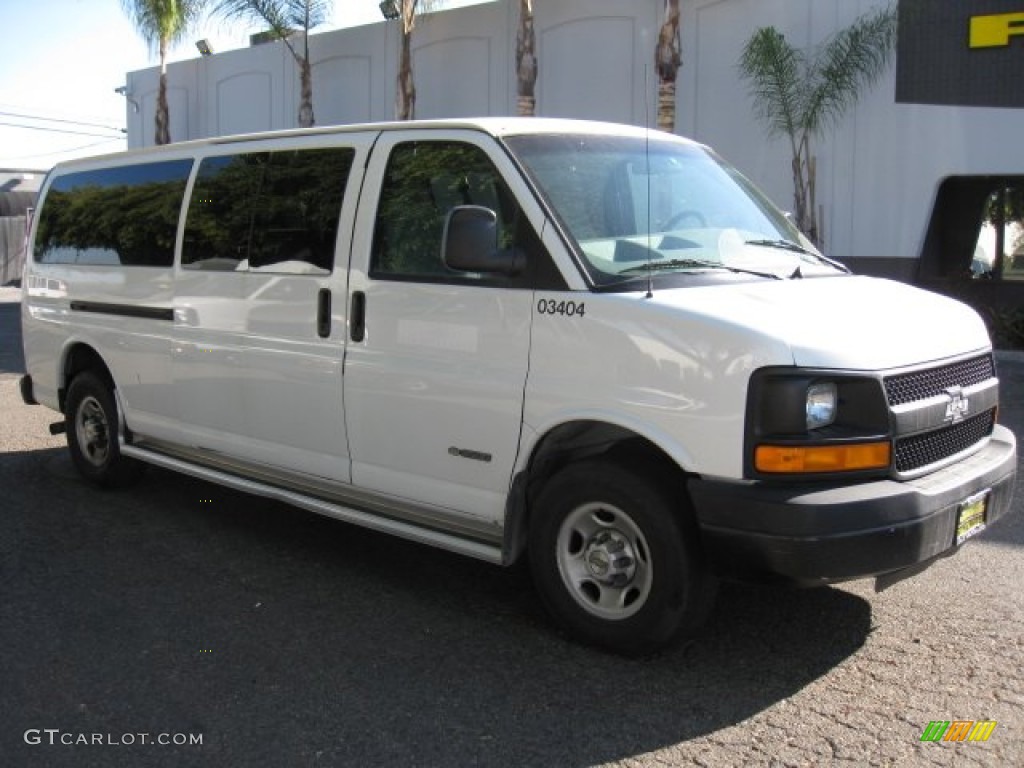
(591, 345)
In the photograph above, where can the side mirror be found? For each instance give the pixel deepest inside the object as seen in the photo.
(470, 243)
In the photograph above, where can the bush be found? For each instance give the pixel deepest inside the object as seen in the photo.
(1006, 327)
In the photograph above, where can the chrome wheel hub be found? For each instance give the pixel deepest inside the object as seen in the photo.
(604, 561)
(610, 559)
(92, 431)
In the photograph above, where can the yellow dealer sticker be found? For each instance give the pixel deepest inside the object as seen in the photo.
(970, 517)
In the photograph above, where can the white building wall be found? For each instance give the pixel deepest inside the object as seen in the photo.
(878, 171)
(594, 58)
(461, 62)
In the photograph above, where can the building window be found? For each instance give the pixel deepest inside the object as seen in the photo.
(999, 250)
(975, 232)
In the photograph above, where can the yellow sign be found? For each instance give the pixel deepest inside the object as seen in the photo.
(995, 31)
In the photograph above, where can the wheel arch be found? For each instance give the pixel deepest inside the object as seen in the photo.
(79, 356)
(572, 441)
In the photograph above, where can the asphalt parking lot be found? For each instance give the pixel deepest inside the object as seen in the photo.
(178, 609)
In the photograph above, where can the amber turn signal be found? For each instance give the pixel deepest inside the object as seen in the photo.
(821, 458)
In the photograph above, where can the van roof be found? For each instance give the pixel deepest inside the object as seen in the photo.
(494, 126)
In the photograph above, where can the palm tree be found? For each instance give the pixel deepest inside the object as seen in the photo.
(284, 18)
(667, 60)
(405, 99)
(162, 23)
(526, 60)
(800, 96)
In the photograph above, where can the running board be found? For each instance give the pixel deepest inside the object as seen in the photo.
(419, 534)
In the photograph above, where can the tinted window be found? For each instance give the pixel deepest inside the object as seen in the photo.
(422, 183)
(267, 211)
(114, 216)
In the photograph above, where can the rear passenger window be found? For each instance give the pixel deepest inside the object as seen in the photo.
(125, 216)
(267, 211)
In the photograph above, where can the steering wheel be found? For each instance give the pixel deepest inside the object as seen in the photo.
(681, 216)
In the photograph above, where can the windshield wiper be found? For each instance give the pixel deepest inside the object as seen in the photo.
(691, 263)
(789, 245)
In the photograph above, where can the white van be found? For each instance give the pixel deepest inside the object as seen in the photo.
(593, 344)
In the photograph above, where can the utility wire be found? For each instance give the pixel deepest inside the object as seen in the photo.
(62, 151)
(60, 120)
(62, 130)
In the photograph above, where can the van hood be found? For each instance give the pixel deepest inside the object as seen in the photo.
(851, 322)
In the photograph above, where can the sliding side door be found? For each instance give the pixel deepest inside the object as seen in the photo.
(260, 307)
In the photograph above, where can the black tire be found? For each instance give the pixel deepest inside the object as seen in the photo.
(92, 433)
(615, 559)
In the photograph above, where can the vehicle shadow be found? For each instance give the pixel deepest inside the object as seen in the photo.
(286, 638)
(1010, 529)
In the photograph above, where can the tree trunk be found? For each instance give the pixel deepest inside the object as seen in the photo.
(526, 60)
(998, 223)
(405, 99)
(162, 118)
(799, 194)
(306, 94)
(405, 109)
(666, 105)
(812, 206)
(804, 203)
(667, 60)
(305, 116)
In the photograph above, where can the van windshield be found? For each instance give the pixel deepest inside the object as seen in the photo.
(634, 207)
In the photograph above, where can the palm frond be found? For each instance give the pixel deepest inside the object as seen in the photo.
(846, 64)
(169, 21)
(281, 16)
(427, 6)
(411, 9)
(773, 69)
(306, 14)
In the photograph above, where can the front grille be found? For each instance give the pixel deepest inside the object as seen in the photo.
(919, 385)
(922, 450)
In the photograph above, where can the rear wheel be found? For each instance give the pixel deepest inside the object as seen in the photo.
(92, 433)
(615, 560)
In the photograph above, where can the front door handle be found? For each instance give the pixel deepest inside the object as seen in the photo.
(357, 319)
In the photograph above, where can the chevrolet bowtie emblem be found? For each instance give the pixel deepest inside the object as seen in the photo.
(957, 407)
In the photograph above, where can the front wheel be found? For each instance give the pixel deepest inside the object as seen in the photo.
(614, 561)
(92, 433)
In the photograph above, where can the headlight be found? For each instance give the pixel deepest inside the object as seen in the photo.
(821, 405)
(815, 423)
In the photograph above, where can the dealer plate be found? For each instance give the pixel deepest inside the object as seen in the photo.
(970, 516)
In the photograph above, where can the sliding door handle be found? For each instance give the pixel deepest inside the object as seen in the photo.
(357, 320)
(323, 313)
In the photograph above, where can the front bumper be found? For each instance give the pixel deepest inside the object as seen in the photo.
(813, 534)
